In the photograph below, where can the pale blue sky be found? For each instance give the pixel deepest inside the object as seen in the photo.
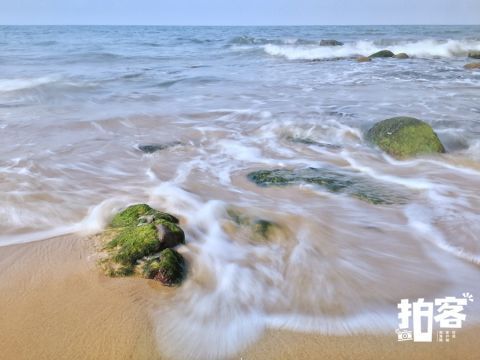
(240, 12)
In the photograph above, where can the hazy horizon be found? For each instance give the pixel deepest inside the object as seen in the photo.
(235, 13)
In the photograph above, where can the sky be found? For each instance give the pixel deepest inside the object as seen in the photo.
(238, 12)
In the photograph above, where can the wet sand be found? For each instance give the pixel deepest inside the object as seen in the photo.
(56, 305)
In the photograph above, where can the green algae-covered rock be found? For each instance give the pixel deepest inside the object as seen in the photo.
(335, 181)
(401, 56)
(134, 214)
(382, 54)
(168, 268)
(404, 137)
(133, 243)
(145, 235)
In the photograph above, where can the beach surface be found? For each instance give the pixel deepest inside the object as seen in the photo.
(63, 308)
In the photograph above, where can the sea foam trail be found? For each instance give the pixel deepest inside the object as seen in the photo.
(314, 279)
(424, 48)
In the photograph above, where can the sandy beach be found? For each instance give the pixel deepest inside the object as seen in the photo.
(62, 307)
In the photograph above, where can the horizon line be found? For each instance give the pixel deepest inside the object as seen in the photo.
(247, 25)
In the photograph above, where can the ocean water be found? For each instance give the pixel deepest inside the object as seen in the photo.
(77, 102)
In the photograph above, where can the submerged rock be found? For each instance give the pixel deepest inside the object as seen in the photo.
(308, 141)
(151, 148)
(474, 54)
(401, 56)
(168, 268)
(335, 181)
(472, 66)
(139, 233)
(330, 43)
(363, 59)
(404, 137)
(382, 54)
(256, 229)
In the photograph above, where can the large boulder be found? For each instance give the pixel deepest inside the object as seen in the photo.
(137, 234)
(474, 54)
(404, 137)
(472, 66)
(382, 54)
(333, 180)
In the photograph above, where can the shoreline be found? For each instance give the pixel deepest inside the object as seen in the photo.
(60, 306)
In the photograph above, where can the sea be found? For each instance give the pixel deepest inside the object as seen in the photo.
(79, 103)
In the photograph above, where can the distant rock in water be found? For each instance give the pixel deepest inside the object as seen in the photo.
(472, 66)
(151, 148)
(330, 43)
(362, 59)
(401, 56)
(333, 180)
(140, 235)
(382, 54)
(404, 137)
(474, 54)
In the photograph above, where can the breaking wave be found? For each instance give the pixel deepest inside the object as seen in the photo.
(424, 48)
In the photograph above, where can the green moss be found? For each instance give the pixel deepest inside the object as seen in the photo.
(133, 243)
(169, 268)
(132, 214)
(263, 228)
(404, 137)
(352, 184)
(382, 54)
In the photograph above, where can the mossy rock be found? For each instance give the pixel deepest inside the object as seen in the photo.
(133, 243)
(382, 54)
(401, 56)
(168, 268)
(309, 141)
(404, 137)
(335, 181)
(362, 59)
(133, 215)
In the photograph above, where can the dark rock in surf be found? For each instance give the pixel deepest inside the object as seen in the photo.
(474, 54)
(401, 56)
(362, 59)
(333, 180)
(404, 137)
(151, 148)
(308, 141)
(382, 54)
(330, 43)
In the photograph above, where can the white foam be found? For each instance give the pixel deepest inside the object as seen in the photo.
(422, 48)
